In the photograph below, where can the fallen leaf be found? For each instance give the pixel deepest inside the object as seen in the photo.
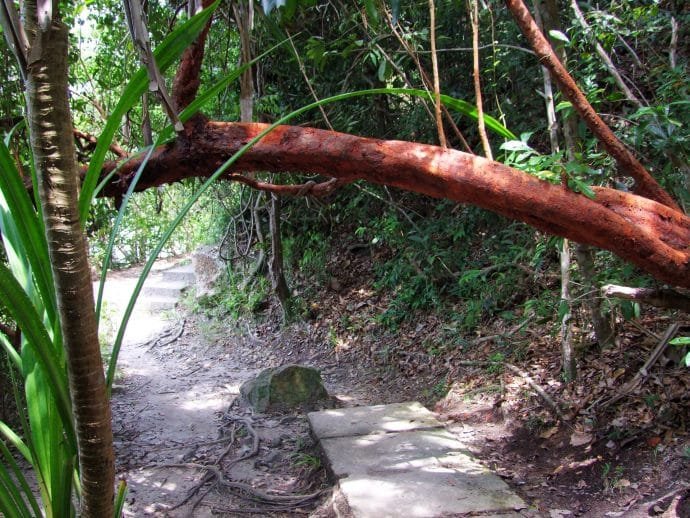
(549, 432)
(653, 442)
(580, 438)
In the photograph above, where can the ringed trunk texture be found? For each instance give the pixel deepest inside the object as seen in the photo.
(54, 153)
(651, 235)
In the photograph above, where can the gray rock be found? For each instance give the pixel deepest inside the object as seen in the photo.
(208, 270)
(285, 388)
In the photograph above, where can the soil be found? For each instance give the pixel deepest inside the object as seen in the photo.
(187, 445)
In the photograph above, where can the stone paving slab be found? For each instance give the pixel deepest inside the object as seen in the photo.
(364, 420)
(398, 460)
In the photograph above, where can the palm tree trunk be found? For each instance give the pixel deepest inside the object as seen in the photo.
(54, 154)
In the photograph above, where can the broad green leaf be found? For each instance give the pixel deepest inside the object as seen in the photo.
(516, 145)
(38, 342)
(20, 223)
(372, 11)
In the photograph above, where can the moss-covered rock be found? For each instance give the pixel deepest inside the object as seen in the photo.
(285, 388)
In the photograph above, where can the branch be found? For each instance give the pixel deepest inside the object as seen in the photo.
(91, 142)
(305, 189)
(645, 184)
(186, 82)
(660, 298)
(642, 231)
(604, 56)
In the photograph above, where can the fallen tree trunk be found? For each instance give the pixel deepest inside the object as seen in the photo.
(648, 234)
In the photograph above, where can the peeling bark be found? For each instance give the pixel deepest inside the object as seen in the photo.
(652, 236)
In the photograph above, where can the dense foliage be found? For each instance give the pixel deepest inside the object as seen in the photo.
(468, 266)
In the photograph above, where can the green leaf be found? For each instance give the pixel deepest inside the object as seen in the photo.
(582, 187)
(371, 10)
(22, 311)
(558, 35)
(516, 145)
(22, 230)
(681, 340)
(563, 309)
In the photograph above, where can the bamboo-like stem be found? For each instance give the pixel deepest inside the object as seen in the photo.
(437, 86)
(474, 17)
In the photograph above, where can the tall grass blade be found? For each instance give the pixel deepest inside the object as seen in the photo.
(38, 343)
(17, 485)
(22, 229)
(116, 226)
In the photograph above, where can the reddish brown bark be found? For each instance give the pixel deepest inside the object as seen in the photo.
(651, 235)
(186, 82)
(645, 184)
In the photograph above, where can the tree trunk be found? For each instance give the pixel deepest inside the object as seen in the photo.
(604, 332)
(567, 358)
(54, 155)
(244, 16)
(275, 264)
(644, 232)
(546, 14)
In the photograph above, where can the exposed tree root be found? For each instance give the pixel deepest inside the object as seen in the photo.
(214, 476)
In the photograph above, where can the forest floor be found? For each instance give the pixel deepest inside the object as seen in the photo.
(188, 447)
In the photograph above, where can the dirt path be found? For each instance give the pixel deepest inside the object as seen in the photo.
(167, 399)
(175, 410)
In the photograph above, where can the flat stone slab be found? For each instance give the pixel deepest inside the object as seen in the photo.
(398, 460)
(364, 420)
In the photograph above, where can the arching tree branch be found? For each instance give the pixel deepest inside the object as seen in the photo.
(651, 235)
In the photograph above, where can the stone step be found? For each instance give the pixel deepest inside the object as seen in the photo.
(156, 304)
(399, 460)
(164, 288)
(183, 273)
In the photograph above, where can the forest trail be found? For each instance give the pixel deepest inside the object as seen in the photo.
(168, 394)
(175, 410)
